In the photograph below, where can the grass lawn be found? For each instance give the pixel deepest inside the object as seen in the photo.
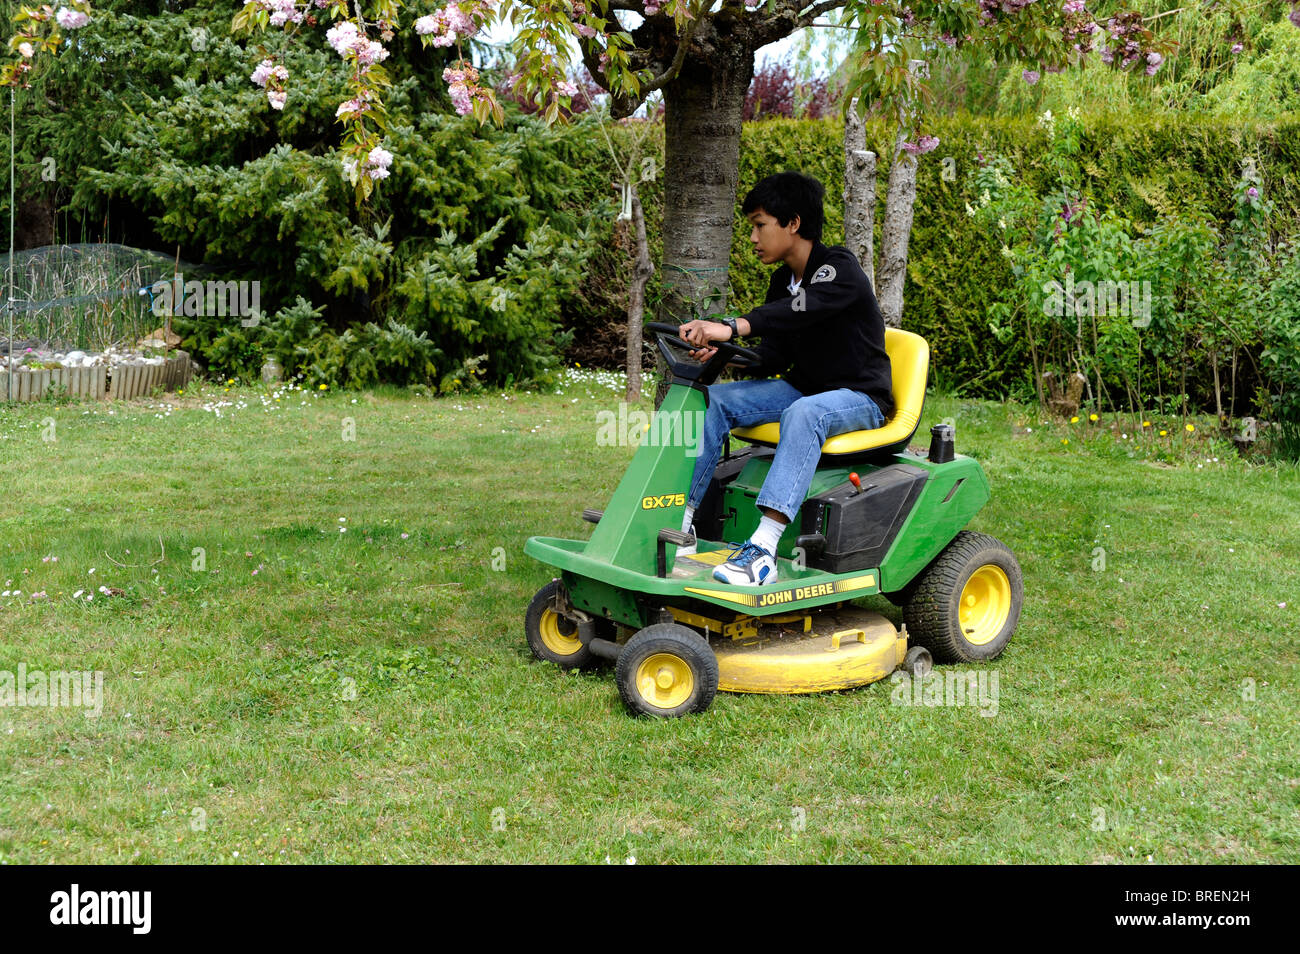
(313, 651)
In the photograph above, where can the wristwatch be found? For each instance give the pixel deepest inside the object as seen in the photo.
(731, 323)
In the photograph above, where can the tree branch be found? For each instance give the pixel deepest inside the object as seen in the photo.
(817, 10)
(668, 75)
(780, 23)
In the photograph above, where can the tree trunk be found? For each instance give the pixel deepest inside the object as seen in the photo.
(899, 201)
(642, 269)
(704, 107)
(859, 193)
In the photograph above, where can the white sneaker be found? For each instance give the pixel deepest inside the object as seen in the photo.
(689, 550)
(750, 565)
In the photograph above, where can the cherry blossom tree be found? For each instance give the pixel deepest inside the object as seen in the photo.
(701, 55)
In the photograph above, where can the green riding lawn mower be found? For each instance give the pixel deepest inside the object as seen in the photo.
(879, 520)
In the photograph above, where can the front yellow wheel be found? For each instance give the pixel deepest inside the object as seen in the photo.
(551, 635)
(667, 670)
(558, 634)
(664, 681)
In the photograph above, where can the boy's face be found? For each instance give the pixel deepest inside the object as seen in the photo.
(772, 240)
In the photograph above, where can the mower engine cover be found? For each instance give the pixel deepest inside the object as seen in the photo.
(860, 526)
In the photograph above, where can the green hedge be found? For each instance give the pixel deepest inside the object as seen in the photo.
(1143, 168)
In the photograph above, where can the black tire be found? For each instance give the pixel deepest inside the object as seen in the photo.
(934, 613)
(902, 597)
(918, 662)
(682, 650)
(552, 636)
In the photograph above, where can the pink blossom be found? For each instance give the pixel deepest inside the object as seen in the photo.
(452, 23)
(923, 145)
(26, 50)
(460, 21)
(341, 36)
(379, 157)
(565, 88)
(370, 52)
(262, 73)
(460, 98)
(1236, 48)
(282, 11)
(1030, 76)
(1073, 6)
(584, 30)
(277, 98)
(71, 19)
(948, 39)
(652, 7)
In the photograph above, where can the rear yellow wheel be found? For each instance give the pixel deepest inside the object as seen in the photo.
(667, 670)
(552, 636)
(965, 605)
(984, 604)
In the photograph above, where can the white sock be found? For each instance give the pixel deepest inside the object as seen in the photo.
(688, 520)
(768, 534)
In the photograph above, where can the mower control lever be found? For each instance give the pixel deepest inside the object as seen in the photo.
(676, 538)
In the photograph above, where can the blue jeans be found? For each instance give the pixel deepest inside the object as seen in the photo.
(806, 423)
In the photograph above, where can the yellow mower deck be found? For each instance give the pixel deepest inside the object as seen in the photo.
(839, 648)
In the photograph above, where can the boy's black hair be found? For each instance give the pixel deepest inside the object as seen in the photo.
(787, 194)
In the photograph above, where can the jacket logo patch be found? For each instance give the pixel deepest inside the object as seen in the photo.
(824, 274)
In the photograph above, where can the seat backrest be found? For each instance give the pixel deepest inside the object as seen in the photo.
(909, 363)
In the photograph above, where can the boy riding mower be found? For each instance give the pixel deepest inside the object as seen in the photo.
(878, 519)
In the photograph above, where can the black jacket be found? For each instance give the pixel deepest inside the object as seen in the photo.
(829, 334)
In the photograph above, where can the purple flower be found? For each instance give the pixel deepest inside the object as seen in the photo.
(1236, 48)
(1295, 15)
(1030, 76)
(1252, 192)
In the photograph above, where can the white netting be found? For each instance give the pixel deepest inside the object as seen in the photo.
(88, 297)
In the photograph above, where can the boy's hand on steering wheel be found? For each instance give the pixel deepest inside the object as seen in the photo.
(702, 355)
(700, 333)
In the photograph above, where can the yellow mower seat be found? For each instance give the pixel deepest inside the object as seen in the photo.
(909, 363)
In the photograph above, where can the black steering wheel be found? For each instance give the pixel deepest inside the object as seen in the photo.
(669, 336)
